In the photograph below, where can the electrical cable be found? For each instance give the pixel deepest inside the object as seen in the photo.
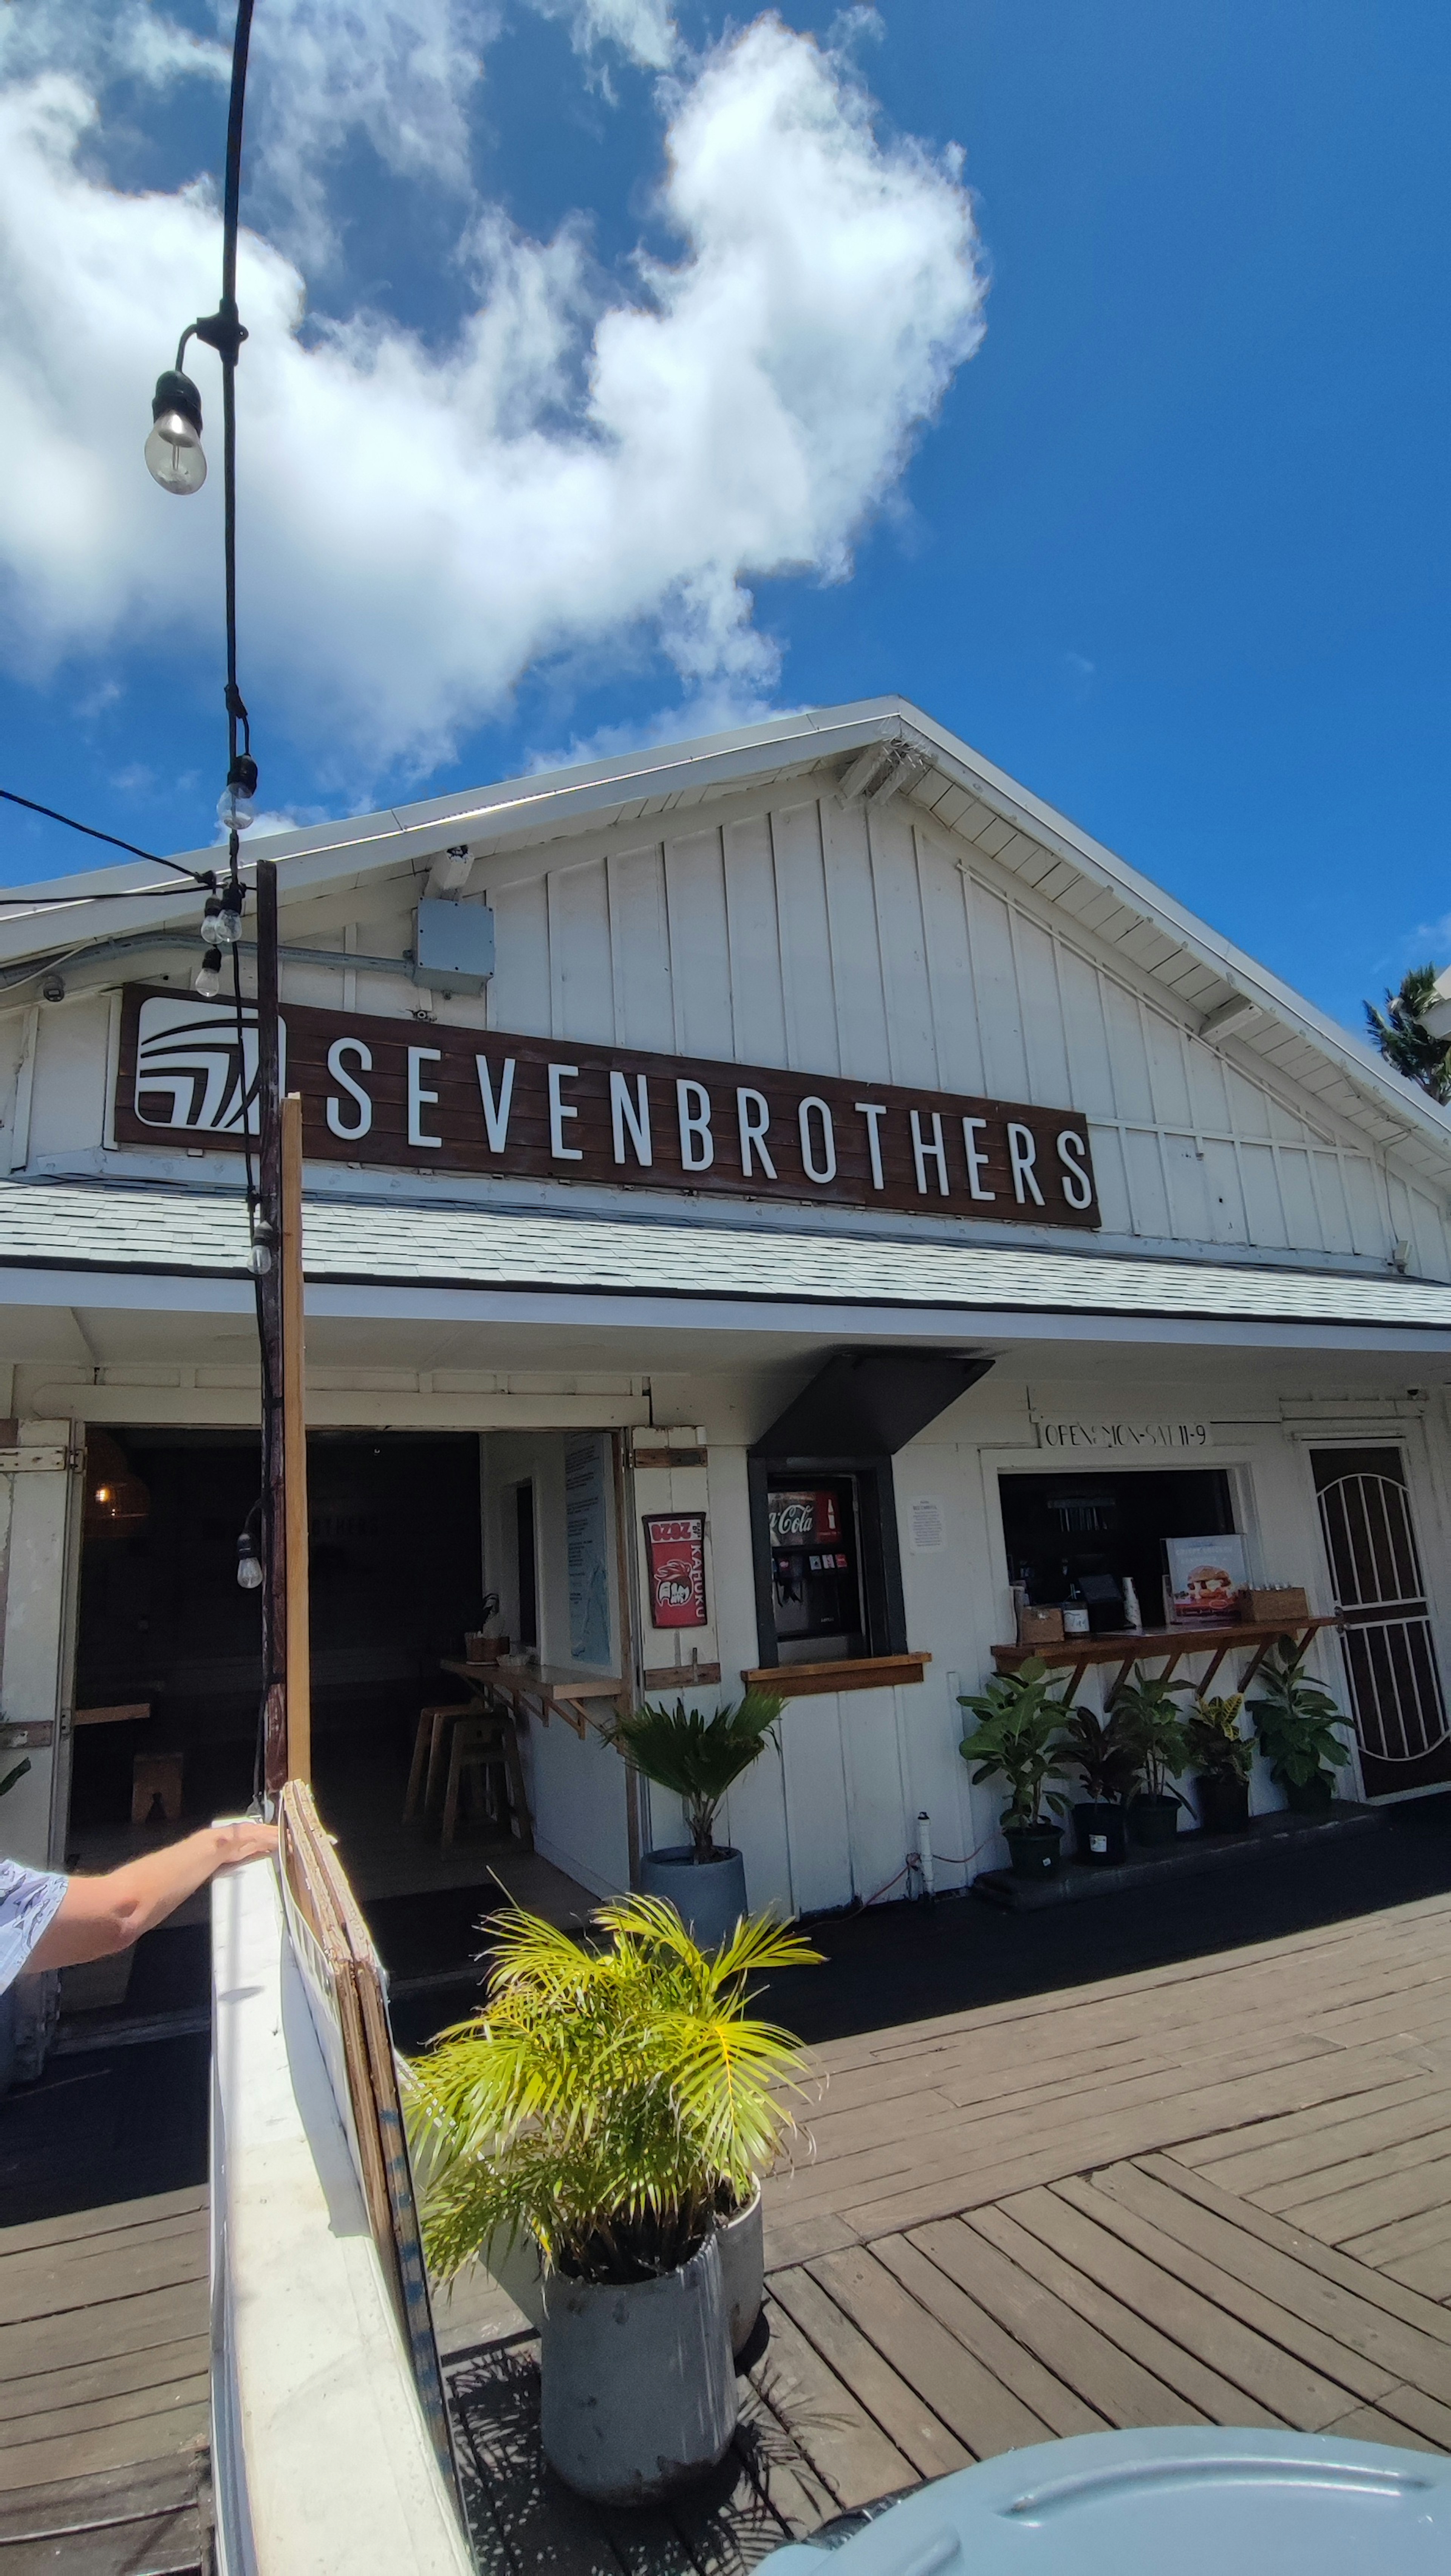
(52, 815)
(949, 1860)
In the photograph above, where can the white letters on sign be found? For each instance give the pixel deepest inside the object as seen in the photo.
(363, 1119)
(559, 1110)
(418, 1098)
(496, 1112)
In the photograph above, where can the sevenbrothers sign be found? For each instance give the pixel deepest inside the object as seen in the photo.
(471, 1100)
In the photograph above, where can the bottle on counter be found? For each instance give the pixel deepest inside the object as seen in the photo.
(1133, 1615)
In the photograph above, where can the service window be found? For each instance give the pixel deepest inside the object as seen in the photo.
(828, 1579)
(1075, 1537)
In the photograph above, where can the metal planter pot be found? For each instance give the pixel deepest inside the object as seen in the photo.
(742, 2269)
(639, 2392)
(1311, 1797)
(709, 1896)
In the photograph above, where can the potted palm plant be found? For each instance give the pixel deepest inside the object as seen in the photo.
(1295, 1721)
(1152, 1727)
(603, 2106)
(698, 1757)
(1019, 1738)
(1108, 1767)
(1221, 1758)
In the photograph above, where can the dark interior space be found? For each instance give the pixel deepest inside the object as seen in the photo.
(1093, 1530)
(396, 1580)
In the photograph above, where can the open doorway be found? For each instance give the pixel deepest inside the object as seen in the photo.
(168, 1668)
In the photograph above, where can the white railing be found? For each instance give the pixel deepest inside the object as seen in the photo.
(322, 2459)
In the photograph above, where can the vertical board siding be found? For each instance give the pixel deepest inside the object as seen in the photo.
(699, 948)
(949, 973)
(995, 991)
(807, 965)
(519, 986)
(754, 941)
(911, 1030)
(640, 952)
(863, 942)
(855, 947)
(581, 1003)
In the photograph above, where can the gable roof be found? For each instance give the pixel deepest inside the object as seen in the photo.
(1221, 989)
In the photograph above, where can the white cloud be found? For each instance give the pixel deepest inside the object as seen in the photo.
(102, 42)
(643, 29)
(418, 528)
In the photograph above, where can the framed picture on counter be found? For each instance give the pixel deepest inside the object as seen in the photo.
(1202, 1580)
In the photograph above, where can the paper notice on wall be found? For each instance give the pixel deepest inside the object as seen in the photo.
(586, 1548)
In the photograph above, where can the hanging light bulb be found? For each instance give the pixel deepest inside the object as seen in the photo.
(236, 806)
(208, 977)
(249, 1567)
(227, 928)
(173, 451)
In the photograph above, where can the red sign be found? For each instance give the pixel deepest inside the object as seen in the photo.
(795, 1518)
(675, 1546)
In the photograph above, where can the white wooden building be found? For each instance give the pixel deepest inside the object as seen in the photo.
(844, 1159)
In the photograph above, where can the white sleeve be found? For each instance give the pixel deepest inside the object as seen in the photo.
(29, 1902)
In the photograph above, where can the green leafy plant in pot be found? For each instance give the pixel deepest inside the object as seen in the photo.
(1221, 1758)
(1108, 1768)
(1148, 1713)
(605, 2105)
(699, 1758)
(1295, 1721)
(1019, 1738)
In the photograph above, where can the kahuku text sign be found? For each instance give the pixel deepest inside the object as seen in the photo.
(426, 1097)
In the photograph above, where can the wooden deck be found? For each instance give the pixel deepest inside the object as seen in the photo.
(103, 2388)
(1218, 2192)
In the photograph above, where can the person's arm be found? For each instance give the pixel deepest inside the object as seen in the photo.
(98, 1916)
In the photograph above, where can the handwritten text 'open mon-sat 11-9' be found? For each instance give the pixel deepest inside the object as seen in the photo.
(427, 1096)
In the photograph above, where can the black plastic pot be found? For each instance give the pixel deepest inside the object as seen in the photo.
(1037, 1850)
(1100, 1832)
(1311, 1797)
(1154, 1820)
(1223, 1804)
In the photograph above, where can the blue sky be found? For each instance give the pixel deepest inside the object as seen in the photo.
(1166, 539)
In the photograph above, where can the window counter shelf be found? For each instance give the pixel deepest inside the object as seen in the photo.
(1127, 1647)
(852, 1673)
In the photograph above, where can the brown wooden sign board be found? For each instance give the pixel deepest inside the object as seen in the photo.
(425, 1097)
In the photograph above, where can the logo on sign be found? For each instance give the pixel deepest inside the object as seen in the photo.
(195, 1068)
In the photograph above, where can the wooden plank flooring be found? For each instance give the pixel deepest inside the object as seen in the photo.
(1213, 2193)
(104, 2387)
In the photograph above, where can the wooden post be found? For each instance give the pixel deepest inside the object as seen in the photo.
(269, 1304)
(294, 1451)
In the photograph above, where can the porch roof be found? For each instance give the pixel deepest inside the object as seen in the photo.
(156, 1232)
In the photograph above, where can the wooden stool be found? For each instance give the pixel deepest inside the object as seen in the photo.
(479, 1743)
(153, 1776)
(425, 1772)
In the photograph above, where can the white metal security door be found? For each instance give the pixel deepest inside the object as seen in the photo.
(40, 1494)
(1390, 1651)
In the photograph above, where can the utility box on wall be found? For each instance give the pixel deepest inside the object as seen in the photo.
(455, 945)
